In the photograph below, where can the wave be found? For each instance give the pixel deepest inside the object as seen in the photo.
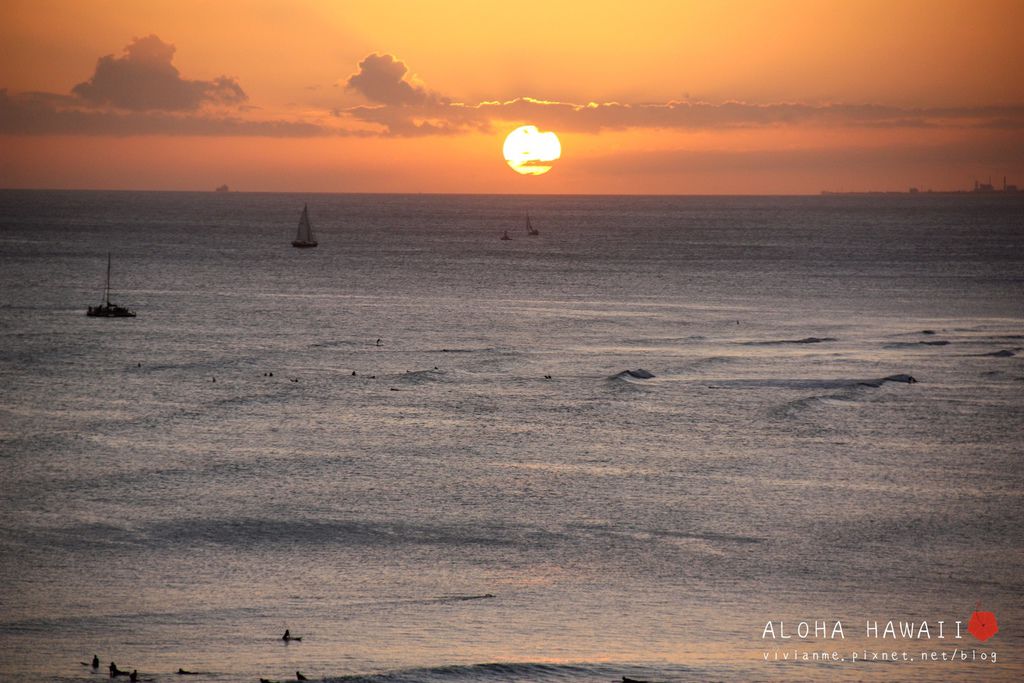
(645, 534)
(246, 531)
(339, 343)
(420, 376)
(249, 532)
(915, 344)
(463, 598)
(709, 536)
(512, 672)
(639, 373)
(847, 392)
(799, 405)
(204, 365)
(805, 340)
(820, 384)
(902, 378)
(709, 361)
(1001, 375)
(1004, 353)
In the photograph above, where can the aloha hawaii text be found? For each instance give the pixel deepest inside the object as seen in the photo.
(894, 629)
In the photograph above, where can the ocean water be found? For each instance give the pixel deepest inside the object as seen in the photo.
(483, 495)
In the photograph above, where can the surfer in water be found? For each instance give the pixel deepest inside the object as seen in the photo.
(289, 637)
(95, 662)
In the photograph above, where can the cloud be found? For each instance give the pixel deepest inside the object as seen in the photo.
(409, 121)
(449, 117)
(50, 114)
(142, 93)
(381, 78)
(143, 79)
(403, 109)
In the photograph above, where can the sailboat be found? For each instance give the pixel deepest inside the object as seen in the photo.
(107, 309)
(530, 230)
(304, 238)
(506, 236)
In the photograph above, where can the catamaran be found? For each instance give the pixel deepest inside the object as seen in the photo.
(107, 309)
(305, 235)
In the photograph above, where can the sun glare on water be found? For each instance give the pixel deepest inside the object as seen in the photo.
(530, 151)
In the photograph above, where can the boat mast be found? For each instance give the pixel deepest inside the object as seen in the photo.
(106, 290)
(304, 229)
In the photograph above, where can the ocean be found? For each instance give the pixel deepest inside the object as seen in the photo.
(417, 446)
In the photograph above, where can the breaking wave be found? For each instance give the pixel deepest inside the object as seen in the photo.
(805, 340)
(421, 376)
(639, 373)
(508, 673)
(915, 344)
(1004, 353)
(847, 390)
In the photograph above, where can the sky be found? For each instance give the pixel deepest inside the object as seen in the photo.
(727, 97)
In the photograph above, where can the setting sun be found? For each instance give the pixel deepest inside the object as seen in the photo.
(530, 151)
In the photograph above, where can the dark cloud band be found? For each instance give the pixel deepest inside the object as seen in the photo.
(142, 93)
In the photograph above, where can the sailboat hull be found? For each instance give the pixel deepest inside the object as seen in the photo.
(111, 311)
(303, 245)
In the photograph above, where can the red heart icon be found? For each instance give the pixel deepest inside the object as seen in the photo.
(983, 625)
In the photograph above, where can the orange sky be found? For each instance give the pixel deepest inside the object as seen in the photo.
(684, 97)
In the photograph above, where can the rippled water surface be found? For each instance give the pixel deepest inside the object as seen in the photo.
(485, 495)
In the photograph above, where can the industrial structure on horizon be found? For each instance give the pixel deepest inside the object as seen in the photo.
(979, 188)
(988, 187)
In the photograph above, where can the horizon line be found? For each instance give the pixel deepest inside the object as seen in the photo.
(819, 193)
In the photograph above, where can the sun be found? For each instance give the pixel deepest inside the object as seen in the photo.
(530, 151)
